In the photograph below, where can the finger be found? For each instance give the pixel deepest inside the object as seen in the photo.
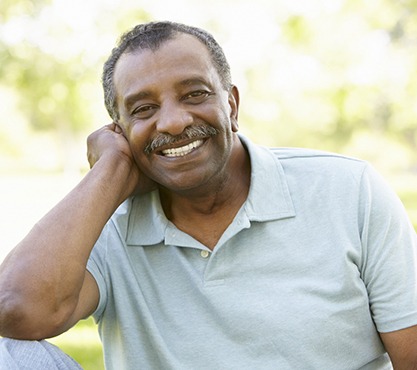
(110, 126)
(117, 129)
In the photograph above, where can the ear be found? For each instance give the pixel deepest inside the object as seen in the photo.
(234, 107)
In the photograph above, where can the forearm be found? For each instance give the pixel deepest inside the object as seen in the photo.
(43, 275)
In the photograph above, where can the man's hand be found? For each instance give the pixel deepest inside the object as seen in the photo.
(109, 143)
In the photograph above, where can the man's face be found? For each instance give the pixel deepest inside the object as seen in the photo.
(162, 95)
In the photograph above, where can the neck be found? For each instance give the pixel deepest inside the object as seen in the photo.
(211, 208)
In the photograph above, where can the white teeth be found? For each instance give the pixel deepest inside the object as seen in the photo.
(183, 150)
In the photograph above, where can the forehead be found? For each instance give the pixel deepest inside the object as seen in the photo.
(182, 57)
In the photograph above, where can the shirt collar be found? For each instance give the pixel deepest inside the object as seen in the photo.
(269, 196)
(268, 199)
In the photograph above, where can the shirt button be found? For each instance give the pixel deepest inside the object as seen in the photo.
(204, 253)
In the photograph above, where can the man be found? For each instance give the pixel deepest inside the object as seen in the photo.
(219, 254)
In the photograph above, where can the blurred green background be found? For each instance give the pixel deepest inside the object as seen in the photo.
(336, 75)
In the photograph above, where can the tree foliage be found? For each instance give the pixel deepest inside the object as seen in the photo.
(312, 73)
(345, 70)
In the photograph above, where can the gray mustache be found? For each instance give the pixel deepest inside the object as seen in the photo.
(190, 132)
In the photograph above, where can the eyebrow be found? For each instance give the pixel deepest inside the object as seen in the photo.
(193, 81)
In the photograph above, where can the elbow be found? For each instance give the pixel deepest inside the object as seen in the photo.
(22, 320)
(11, 316)
(15, 320)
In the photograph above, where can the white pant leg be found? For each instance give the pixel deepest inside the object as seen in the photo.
(33, 355)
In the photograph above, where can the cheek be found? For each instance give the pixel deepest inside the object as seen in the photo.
(138, 134)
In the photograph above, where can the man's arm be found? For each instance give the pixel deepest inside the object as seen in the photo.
(44, 285)
(401, 346)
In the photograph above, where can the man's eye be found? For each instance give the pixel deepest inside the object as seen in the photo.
(197, 96)
(144, 110)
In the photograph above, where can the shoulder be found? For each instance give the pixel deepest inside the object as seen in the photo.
(293, 155)
(317, 163)
(304, 166)
(312, 155)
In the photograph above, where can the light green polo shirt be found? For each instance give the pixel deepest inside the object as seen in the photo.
(318, 259)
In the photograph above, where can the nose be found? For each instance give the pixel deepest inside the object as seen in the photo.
(173, 119)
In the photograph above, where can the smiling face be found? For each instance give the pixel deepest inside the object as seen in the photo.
(175, 113)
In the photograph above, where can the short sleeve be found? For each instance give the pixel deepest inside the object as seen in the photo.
(97, 266)
(389, 258)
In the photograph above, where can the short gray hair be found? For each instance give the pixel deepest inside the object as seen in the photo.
(151, 36)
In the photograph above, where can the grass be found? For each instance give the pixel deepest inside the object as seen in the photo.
(409, 199)
(82, 343)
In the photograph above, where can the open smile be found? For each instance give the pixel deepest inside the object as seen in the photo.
(182, 150)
